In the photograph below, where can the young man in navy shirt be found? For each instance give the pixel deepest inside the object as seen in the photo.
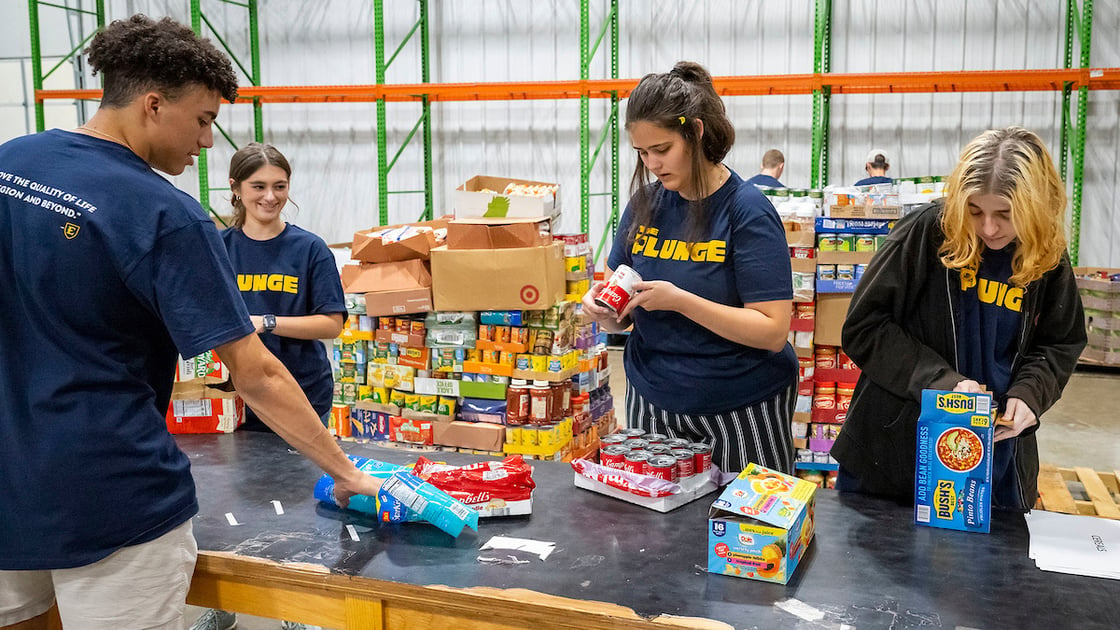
(876, 166)
(773, 163)
(110, 273)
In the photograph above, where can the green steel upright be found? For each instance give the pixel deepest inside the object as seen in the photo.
(253, 73)
(423, 124)
(588, 157)
(37, 74)
(1079, 26)
(822, 98)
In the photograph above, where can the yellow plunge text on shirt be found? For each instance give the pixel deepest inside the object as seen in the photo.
(647, 244)
(992, 291)
(275, 282)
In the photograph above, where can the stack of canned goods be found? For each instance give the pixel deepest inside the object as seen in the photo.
(653, 454)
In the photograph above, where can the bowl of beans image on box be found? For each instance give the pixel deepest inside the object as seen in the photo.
(953, 472)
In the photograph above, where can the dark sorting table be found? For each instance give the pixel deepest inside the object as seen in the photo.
(616, 565)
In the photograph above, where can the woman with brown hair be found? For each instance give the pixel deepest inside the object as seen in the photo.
(973, 289)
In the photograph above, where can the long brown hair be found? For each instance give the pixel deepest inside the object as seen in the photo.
(674, 101)
(249, 160)
(1014, 164)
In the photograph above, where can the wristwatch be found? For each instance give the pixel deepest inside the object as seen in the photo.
(269, 322)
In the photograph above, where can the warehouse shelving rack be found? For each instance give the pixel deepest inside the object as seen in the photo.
(822, 84)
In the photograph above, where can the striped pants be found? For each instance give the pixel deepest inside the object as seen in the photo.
(760, 433)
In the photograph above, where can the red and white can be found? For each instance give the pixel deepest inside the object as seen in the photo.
(685, 465)
(662, 467)
(655, 438)
(613, 438)
(659, 449)
(632, 432)
(619, 290)
(701, 457)
(636, 444)
(635, 462)
(676, 443)
(613, 456)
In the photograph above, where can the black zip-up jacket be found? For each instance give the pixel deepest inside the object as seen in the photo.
(901, 330)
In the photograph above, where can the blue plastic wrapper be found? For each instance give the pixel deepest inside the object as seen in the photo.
(432, 504)
(385, 508)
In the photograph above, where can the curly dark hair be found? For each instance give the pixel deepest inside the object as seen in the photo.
(140, 54)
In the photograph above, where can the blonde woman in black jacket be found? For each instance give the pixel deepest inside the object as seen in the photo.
(975, 290)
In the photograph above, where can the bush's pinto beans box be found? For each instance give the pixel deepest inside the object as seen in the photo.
(953, 472)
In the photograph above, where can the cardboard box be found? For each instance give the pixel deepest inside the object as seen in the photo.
(205, 368)
(371, 249)
(761, 525)
(530, 278)
(832, 308)
(471, 200)
(476, 435)
(401, 302)
(865, 211)
(386, 276)
(844, 258)
(410, 431)
(953, 475)
(499, 233)
(196, 408)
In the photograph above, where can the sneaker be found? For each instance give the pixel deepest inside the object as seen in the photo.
(295, 625)
(216, 620)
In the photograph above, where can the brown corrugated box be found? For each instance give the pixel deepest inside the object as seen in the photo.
(480, 436)
(368, 248)
(386, 276)
(525, 278)
(495, 233)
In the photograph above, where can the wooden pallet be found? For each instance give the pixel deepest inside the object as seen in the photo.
(1101, 488)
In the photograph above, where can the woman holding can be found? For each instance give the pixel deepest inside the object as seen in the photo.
(973, 291)
(711, 297)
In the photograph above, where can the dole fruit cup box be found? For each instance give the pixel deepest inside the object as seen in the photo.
(953, 472)
(761, 525)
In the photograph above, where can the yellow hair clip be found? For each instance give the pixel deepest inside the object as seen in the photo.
(681, 119)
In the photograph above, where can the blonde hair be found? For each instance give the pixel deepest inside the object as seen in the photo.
(1014, 164)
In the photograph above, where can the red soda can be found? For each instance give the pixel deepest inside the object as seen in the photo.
(662, 467)
(613, 456)
(701, 457)
(686, 467)
(619, 289)
(635, 462)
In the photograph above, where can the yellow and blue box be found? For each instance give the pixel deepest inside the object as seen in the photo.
(761, 525)
(953, 472)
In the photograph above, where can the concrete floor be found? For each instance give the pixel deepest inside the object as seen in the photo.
(1080, 430)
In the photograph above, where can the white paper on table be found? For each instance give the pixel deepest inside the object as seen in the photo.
(1080, 545)
(538, 547)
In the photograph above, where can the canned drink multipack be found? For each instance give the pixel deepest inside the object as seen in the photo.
(619, 290)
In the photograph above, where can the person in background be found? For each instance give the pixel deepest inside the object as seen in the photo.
(104, 288)
(290, 284)
(707, 359)
(773, 163)
(972, 291)
(876, 166)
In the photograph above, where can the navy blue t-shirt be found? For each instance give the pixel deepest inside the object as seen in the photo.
(877, 179)
(291, 274)
(109, 273)
(675, 363)
(987, 342)
(766, 181)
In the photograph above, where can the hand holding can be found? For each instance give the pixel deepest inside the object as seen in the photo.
(619, 290)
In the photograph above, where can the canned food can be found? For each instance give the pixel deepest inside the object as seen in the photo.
(613, 438)
(801, 252)
(636, 444)
(701, 457)
(655, 438)
(826, 272)
(845, 272)
(846, 243)
(632, 432)
(828, 243)
(659, 449)
(865, 243)
(676, 443)
(685, 465)
(635, 462)
(613, 456)
(662, 467)
(619, 289)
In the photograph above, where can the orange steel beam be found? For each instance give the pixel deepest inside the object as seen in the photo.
(877, 83)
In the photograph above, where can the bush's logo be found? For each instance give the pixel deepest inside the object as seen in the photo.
(70, 230)
(956, 403)
(944, 499)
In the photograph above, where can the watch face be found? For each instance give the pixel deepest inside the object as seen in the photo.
(269, 322)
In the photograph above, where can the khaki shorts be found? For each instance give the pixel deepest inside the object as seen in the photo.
(138, 587)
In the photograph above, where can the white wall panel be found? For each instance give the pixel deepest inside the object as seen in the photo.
(333, 146)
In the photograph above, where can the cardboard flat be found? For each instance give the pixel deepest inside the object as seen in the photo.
(469, 199)
(499, 233)
(865, 212)
(530, 278)
(476, 435)
(401, 302)
(832, 308)
(368, 248)
(844, 258)
(386, 276)
(692, 488)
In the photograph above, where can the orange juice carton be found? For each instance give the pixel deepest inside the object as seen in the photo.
(761, 525)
